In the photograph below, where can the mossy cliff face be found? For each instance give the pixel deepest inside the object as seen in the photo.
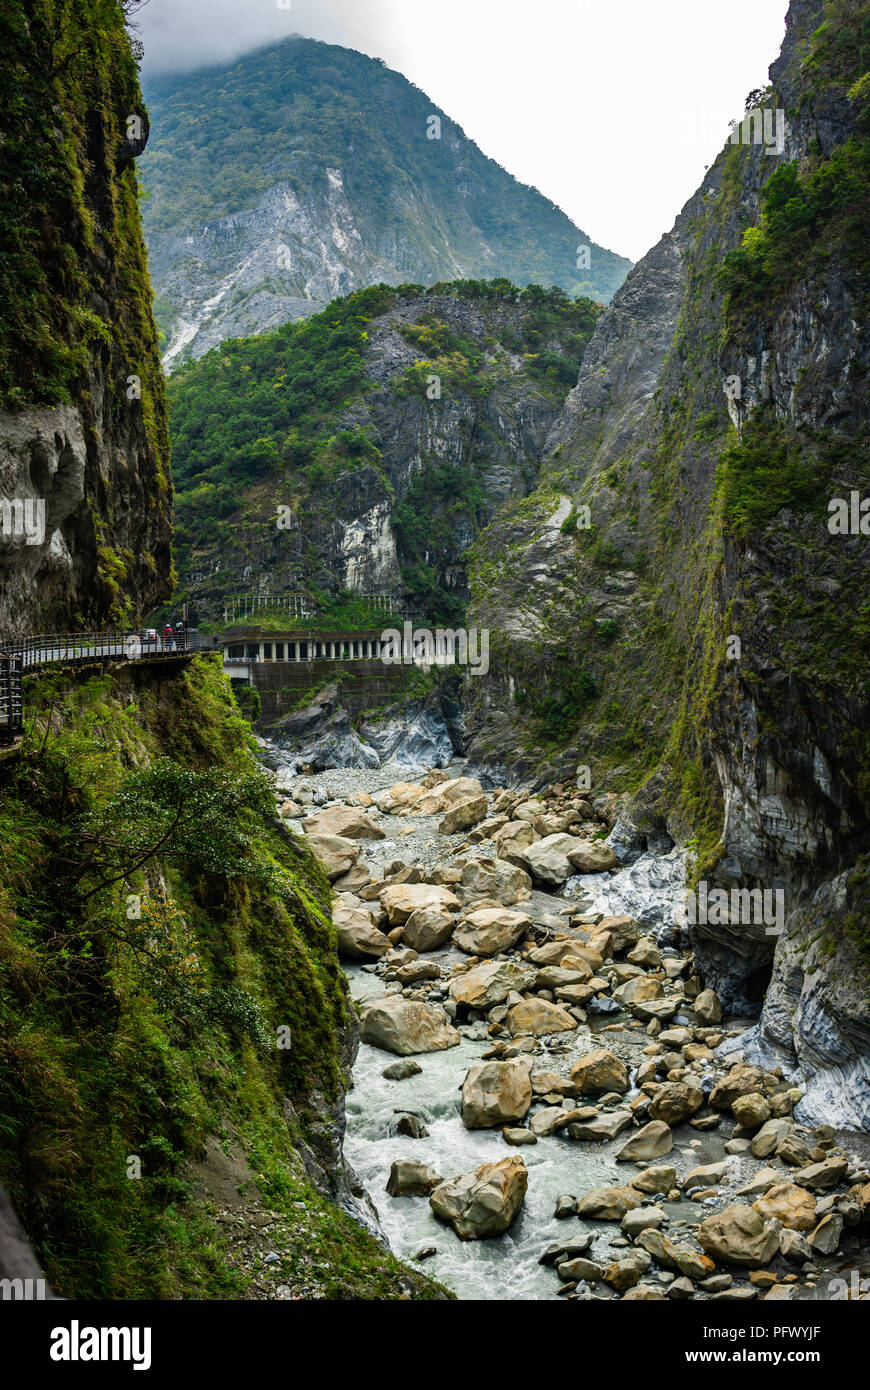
(708, 521)
(365, 448)
(175, 1034)
(82, 411)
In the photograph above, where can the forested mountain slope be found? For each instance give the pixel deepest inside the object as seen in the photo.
(364, 448)
(306, 171)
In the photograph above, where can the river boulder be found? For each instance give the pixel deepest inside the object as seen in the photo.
(592, 857)
(494, 879)
(484, 1202)
(358, 937)
(407, 1026)
(488, 984)
(653, 1141)
(495, 1094)
(399, 900)
(607, 1203)
(464, 815)
(789, 1204)
(536, 1017)
(638, 991)
(739, 1236)
(548, 860)
(599, 1072)
(350, 822)
(427, 928)
(335, 853)
(675, 1101)
(490, 930)
(411, 1179)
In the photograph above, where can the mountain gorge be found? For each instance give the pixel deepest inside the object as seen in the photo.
(306, 171)
(160, 931)
(429, 1017)
(721, 406)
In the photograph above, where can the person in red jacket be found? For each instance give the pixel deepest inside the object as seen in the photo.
(169, 637)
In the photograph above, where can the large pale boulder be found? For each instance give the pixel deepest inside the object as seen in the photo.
(399, 900)
(411, 1179)
(496, 1093)
(514, 837)
(653, 1141)
(608, 1203)
(592, 857)
(739, 1236)
(350, 822)
(488, 984)
(358, 937)
(605, 1126)
(336, 854)
(400, 797)
(599, 1072)
(646, 953)
(554, 976)
(536, 1017)
(427, 928)
(675, 1101)
(622, 930)
(494, 879)
(740, 1081)
(484, 1202)
(554, 952)
(707, 1007)
(548, 860)
(448, 794)
(662, 1178)
(638, 991)
(407, 1026)
(789, 1204)
(464, 815)
(490, 930)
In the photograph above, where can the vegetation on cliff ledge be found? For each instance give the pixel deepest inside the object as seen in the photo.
(159, 938)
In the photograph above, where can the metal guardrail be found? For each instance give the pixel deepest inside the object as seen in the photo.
(23, 654)
(51, 647)
(11, 698)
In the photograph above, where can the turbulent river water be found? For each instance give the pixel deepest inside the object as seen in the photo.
(504, 1268)
(508, 1267)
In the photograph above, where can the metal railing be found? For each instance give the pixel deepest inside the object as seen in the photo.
(49, 648)
(22, 654)
(11, 698)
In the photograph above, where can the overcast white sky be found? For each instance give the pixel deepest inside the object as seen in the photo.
(611, 108)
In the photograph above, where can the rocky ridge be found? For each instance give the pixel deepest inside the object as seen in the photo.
(265, 218)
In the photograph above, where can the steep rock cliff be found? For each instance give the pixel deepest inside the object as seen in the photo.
(83, 441)
(364, 449)
(721, 405)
